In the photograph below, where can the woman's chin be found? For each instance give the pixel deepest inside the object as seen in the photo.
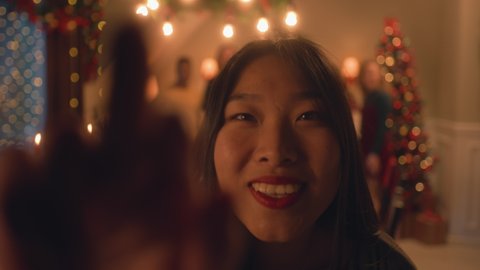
(274, 236)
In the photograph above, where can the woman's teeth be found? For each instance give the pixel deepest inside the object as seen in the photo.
(276, 191)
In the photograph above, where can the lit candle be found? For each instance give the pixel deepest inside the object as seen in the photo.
(36, 146)
(90, 128)
(38, 139)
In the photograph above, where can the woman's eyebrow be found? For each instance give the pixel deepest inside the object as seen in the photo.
(307, 95)
(243, 96)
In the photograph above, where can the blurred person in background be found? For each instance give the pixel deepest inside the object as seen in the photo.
(375, 137)
(182, 100)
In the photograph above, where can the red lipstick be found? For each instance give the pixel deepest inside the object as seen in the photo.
(276, 202)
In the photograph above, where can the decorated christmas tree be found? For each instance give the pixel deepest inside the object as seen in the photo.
(411, 191)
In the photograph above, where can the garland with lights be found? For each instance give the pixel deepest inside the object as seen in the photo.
(413, 161)
(23, 87)
(233, 10)
(66, 16)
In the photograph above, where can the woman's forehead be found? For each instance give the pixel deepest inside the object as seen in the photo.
(270, 69)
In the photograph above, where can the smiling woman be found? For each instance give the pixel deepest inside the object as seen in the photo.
(278, 139)
(285, 158)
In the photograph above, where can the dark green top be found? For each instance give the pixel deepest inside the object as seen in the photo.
(380, 253)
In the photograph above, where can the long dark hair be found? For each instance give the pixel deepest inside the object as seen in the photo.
(354, 217)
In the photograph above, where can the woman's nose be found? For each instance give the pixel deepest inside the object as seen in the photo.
(276, 145)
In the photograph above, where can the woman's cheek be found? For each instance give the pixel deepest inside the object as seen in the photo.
(231, 150)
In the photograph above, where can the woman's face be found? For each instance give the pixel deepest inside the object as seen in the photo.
(372, 78)
(276, 156)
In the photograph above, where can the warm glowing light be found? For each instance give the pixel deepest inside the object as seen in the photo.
(416, 131)
(101, 25)
(389, 77)
(142, 10)
(390, 61)
(187, 2)
(37, 81)
(262, 25)
(350, 67)
(412, 145)
(153, 4)
(209, 68)
(403, 130)
(397, 42)
(167, 29)
(90, 128)
(402, 160)
(422, 148)
(228, 31)
(424, 165)
(245, 4)
(72, 2)
(151, 89)
(38, 138)
(419, 187)
(71, 25)
(388, 30)
(74, 77)
(73, 103)
(380, 59)
(73, 52)
(429, 160)
(37, 1)
(389, 123)
(291, 18)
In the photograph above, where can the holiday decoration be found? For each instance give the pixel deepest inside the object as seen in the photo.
(263, 14)
(22, 73)
(66, 16)
(411, 150)
(71, 31)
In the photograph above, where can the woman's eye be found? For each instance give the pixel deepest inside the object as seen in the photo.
(310, 116)
(243, 117)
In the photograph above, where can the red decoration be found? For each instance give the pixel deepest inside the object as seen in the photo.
(64, 18)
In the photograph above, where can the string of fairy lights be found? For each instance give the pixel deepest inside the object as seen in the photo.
(261, 7)
(22, 69)
(24, 26)
(82, 22)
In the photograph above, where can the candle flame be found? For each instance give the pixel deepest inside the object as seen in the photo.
(38, 138)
